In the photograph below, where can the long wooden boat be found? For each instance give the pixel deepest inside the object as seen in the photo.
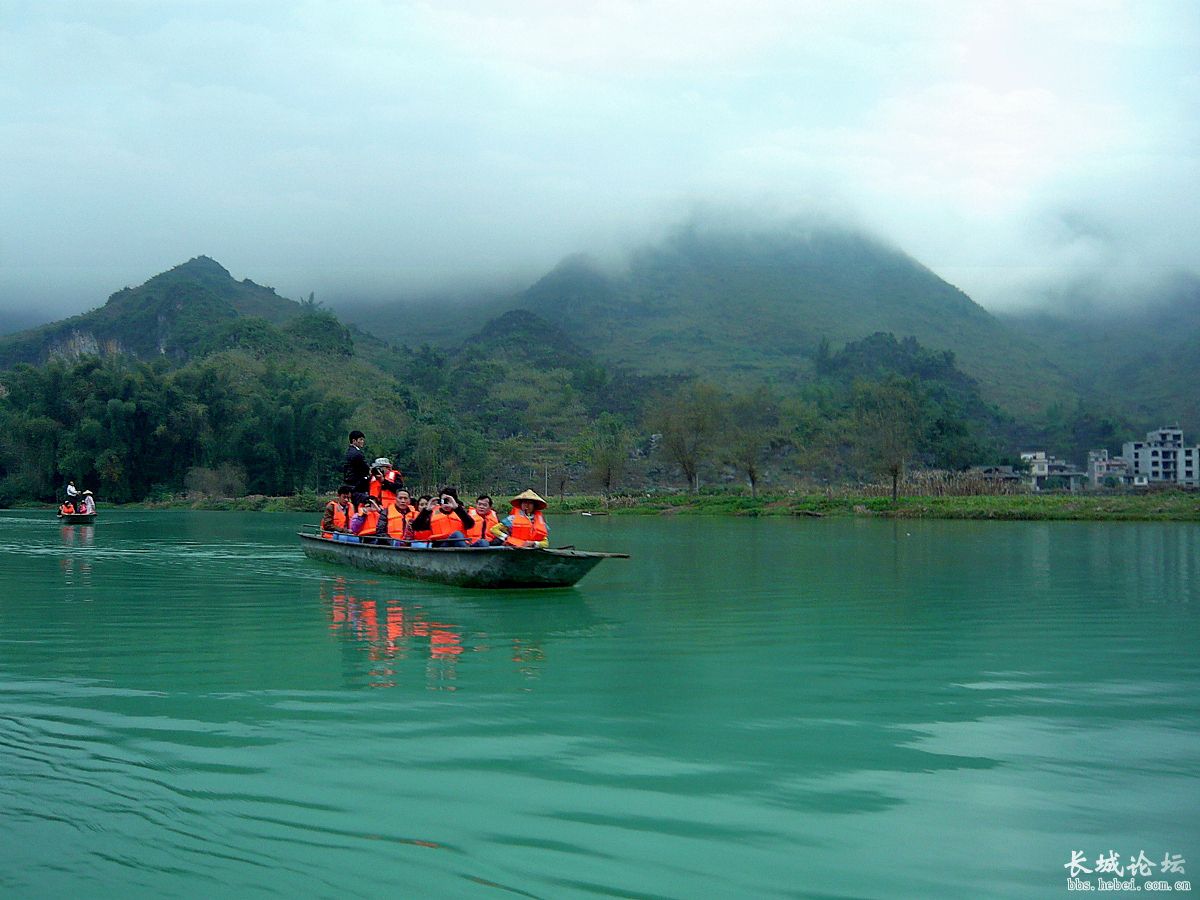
(473, 567)
(77, 518)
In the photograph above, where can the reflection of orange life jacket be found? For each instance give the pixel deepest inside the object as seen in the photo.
(397, 523)
(482, 526)
(525, 529)
(441, 526)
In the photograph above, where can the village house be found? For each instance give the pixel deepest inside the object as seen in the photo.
(1045, 470)
(1106, 471)
(1163, 459)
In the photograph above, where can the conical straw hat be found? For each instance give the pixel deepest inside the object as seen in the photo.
(529, 495)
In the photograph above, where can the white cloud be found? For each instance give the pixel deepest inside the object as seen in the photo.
(388, 146)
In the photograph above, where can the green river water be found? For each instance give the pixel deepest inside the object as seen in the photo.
(746, 708)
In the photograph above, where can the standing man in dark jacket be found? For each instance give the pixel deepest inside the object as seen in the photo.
(355, 471)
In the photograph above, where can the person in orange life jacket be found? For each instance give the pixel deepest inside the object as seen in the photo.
(524, 527)
(366, 517)
(67, 509)
(423, 502)
(444, 523)
(385, 479)
(337, 513)
(485, 521)
(395, 521)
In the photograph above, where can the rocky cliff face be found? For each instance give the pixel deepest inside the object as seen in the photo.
(77, 343)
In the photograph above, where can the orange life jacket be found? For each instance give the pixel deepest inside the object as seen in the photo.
(482, 525)
(398, 522)
(441, 526)
(67, 509)
(392, 482)
(525, 529)
(370, 522)
(340, 515)
(375, 487)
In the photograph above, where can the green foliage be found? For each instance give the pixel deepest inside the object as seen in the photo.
(245, 391)
(689, 420)
(604, 447)
(253, 335)
(756, 304)
(126, 428)
(319, 331)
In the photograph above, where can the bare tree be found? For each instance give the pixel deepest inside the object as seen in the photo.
(752, 428)
(689, 421)
(887, 416)
(604, 447)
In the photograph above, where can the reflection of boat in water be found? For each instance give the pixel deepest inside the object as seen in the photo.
(476, 567)
(77, 518)
(393, 633)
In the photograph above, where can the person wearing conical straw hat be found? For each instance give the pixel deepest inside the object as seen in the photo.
(524, 527)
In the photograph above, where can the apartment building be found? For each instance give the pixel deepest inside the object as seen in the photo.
(1162, 458)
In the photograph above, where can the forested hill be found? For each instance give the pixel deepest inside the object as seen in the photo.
(196, 380)
(764, 302)
(757, 304)
(188, 310)
(1143, 359)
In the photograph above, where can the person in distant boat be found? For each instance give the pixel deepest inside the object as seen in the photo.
(337, 513)
(396, 520)
(524, 527)
(72, 491)
(485, 520)
(355, 471)
(67, 508)
(87, 505)
(444, 523)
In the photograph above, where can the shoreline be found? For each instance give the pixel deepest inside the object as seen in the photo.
(1155, 506)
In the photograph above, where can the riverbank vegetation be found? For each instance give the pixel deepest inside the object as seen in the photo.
(1156, 506)
(195, 384)
(1177, 506)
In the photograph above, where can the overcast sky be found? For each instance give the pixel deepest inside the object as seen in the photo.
(380, 148)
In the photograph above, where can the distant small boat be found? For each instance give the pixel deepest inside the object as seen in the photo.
(473, 567)
(77, 518)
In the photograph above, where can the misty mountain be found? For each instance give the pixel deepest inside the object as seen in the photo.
(175, 314)
(756, 304)
(14, 320)
(1142, 359)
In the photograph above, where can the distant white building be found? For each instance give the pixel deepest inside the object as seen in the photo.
(1043, 466)
(1163, 459)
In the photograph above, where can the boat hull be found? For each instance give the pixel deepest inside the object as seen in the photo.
(471, 567)
(78, 519)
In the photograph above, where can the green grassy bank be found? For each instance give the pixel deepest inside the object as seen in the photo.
(1177, 506)
(1156, 506)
